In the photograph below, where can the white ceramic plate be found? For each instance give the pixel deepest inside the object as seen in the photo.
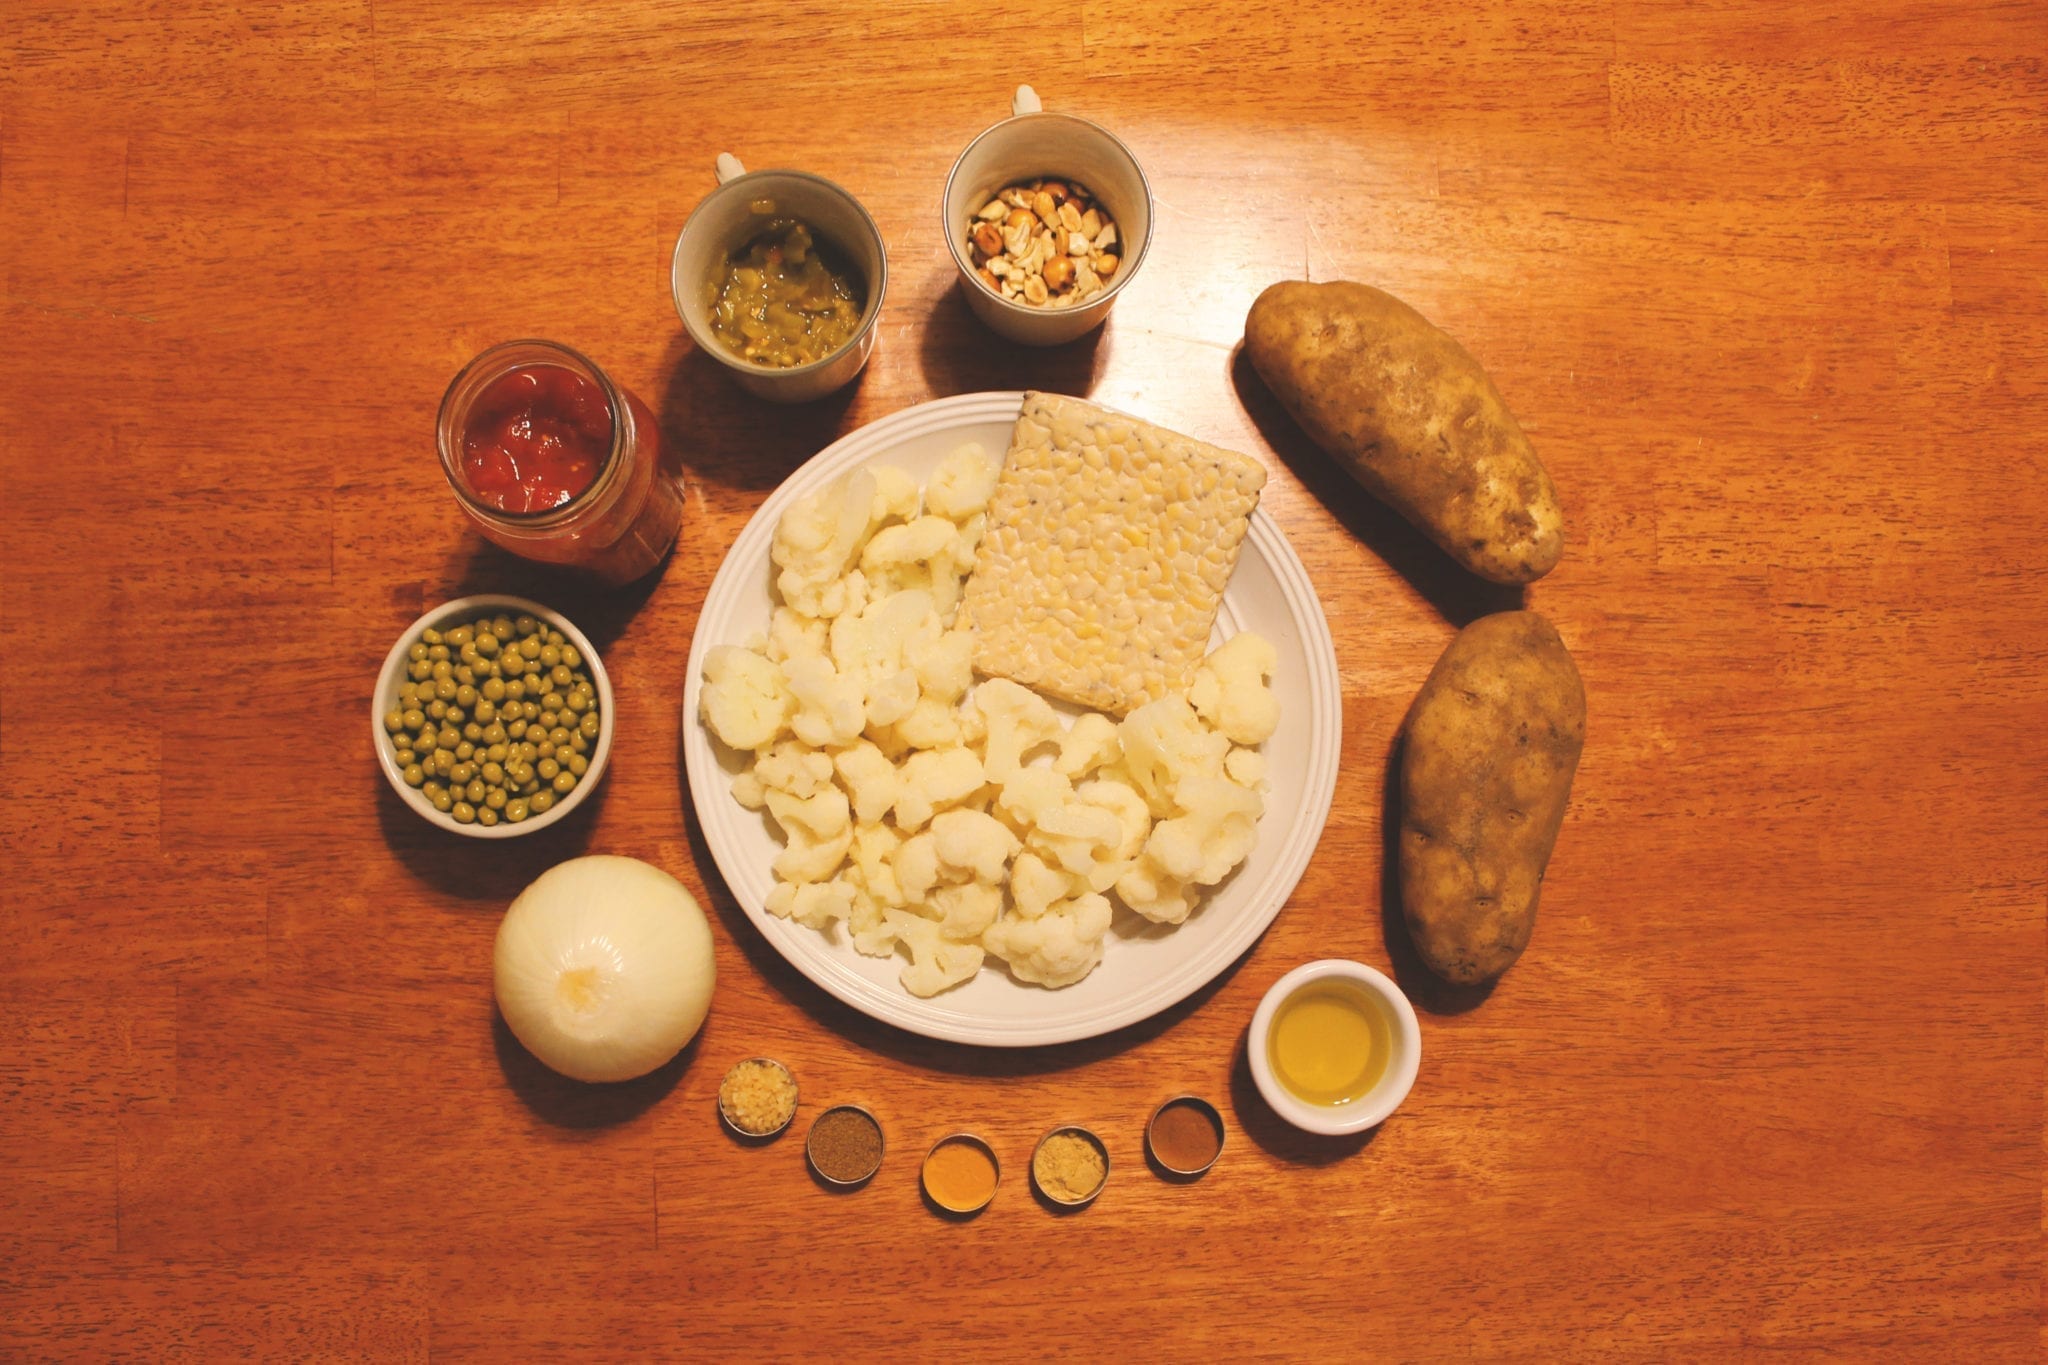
(1145, 967)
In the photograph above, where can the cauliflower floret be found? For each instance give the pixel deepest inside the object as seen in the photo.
(896, 495)
(910, 546)
(1018, 720)
(962, 484)
(1041, 806)
(818, 539)
(1034, 885)
(812, 904)
(873, 935)
(749, 790)
(973, 842)
(1147, 889)
(1134, 823)
(831, 709)
(944, 664)
(891, 699)
(744, 700)
(794, 635)
(933, 779)
(1229, 689)
(818, 834)
(916, 865)
(1029, 795)
(872, 643)
(1078, 837)
(973, 727)
(874, 854)
(1246, 767)
(1088, 744)
(1120, 799)
(967, 910)
(931, 724)
(870, 780)
(1057, 948)
(869, 648)
(1164, 745)
(790, 767)
(1214, 835)
(936, 962)
(971, 531)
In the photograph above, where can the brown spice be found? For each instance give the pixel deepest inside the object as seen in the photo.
(845, 1145)
(1186, 1136)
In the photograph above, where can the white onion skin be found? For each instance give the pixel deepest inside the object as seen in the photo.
(603, 968)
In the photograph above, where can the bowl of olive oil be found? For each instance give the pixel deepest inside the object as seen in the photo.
(1334, 1047)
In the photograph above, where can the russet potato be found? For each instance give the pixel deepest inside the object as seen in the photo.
(1413, 418)
(1487, 759)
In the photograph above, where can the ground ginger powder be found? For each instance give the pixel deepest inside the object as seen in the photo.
(1069, 1167)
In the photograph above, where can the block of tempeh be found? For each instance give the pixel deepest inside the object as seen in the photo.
(1109, 543)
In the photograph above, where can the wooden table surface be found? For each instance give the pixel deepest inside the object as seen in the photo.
(1768, 290)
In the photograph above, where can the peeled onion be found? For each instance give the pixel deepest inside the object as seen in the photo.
(603, 968)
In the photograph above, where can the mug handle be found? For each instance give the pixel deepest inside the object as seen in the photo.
(1025, 101)
(728, 167)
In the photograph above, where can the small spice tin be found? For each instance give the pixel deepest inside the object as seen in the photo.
(954, 1173)
(727, 1100)
(1185, 1136)
(1061, 1186)
(845, 1146)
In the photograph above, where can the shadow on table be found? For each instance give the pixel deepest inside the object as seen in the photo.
(488, 872)
(959, 354)
(599, 610)
(1274, 1135)
(728, 437)
(566, 1103)
(1423, 987)
(1456, 595)
(833, 1014)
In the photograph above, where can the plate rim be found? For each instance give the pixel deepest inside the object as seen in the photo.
(873, 441)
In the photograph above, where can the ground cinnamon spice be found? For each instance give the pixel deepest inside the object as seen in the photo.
(845, 1145)
(1186, 1136)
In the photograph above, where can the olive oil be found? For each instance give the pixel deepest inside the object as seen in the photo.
(1330, 1042)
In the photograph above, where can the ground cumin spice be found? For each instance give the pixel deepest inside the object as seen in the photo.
(845, 1146)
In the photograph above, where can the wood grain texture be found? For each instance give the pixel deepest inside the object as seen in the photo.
(1767, 287)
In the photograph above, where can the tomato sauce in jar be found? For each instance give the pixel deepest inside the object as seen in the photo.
(535, 438)
(554, 461)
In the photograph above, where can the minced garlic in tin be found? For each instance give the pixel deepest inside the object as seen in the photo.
(758, 1097)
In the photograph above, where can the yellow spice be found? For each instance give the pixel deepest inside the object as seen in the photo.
(758, 1097)
(1069, 1167)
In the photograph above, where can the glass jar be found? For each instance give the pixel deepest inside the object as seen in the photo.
(547, 473)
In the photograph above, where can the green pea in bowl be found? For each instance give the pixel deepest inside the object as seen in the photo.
(492, 716)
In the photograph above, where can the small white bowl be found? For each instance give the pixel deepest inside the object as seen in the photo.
(392, 676)
(1394, 1083)
(725, 221)
(1032, 143)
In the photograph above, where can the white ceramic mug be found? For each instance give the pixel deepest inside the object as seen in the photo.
(725, 221)
(1029, 144)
